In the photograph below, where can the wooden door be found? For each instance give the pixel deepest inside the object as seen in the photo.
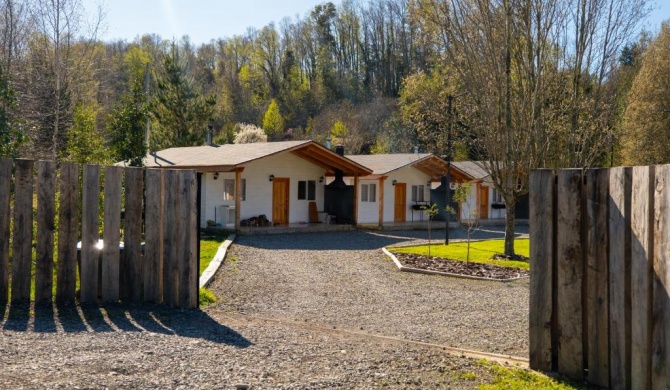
(280, 200)
(483, 202)
(400, 202)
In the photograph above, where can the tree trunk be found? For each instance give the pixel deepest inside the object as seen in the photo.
(509, 228)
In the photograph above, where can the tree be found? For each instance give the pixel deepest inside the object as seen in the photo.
(127, 121)
(248, 134)
(647, 117)
(273, 122)
(11, 135)
(515, 60)
(85, 145)
(180, 112)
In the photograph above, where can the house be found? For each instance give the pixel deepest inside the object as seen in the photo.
(278, 180)
(398, 188)
(485, 199)
(484, 202)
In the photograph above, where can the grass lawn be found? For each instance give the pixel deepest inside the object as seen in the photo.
(517, 378)
(208, 248)
(480, 251)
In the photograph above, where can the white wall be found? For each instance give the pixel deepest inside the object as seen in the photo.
(368, 212)
(259, 188)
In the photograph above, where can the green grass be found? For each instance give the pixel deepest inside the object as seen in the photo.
(208, 248)
(480, 252)
(205, 297)
(510, 378)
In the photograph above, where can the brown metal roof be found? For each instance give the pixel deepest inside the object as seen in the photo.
(382, 164)
(232, 156)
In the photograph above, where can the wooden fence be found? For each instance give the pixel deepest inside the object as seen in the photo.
(600, 275)
(162, 270)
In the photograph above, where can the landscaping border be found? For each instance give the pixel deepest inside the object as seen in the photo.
(208, 275)
(430, 272)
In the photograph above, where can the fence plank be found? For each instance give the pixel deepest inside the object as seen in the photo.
(169, 247)
(68, 228)
(111, 234)
(597, 311)
(23, 231)
(179, 233)
(132, 265)
(5, 186)
(46, 206)
(542, 237)
(642, 220)
(188, 270)
(660, 372)
(619, 266)
(194, 261)
(153, 247)
(570, 274)
(90, 254)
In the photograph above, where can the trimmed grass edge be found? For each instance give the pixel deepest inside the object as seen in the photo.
(208, 275)
(430, 272)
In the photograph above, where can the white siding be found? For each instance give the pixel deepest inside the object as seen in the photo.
(368, 212)
(259, 188)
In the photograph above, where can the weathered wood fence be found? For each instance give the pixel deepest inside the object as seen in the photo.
(600, 275)
(162, 270)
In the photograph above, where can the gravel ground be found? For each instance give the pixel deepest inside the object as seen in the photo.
(343, 279)
(147, 348)
(324, 281)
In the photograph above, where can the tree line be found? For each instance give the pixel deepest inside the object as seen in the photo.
(532, 83)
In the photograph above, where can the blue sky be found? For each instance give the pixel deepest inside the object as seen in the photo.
(204, 20)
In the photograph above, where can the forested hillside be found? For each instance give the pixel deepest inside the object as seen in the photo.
(543, 81)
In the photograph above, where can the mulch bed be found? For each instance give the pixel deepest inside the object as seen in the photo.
(460, 267)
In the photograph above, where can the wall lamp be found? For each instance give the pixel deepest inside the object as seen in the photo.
(394, 182)
(216, 175)
(321, 179)
(272, 177)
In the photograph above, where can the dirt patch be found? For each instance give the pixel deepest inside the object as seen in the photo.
(460, 267)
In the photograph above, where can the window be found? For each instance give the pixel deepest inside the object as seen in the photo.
(368, 193)
(307, 190)
(497, 196)
(418, 193)
(229, 189)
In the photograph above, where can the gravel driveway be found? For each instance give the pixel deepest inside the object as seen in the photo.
(320, 280)
(343, 280)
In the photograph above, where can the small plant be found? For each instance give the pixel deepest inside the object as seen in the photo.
(432, 211)
(461, 196)
(210, 223)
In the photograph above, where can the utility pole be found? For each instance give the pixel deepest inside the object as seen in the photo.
(449, 119)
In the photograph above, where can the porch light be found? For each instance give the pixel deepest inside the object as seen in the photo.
(272, 177)
(321, 179)
(453, 186)
(216, 175)
(394, 182)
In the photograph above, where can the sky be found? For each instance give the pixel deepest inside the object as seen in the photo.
(204, 20)
(201, 20)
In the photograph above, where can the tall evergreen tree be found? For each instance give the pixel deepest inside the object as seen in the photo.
(180, 112)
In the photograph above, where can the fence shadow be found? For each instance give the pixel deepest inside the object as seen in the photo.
(191, 323)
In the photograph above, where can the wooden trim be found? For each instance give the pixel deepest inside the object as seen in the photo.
(381, 201)
(238, 197)
(356, 200)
